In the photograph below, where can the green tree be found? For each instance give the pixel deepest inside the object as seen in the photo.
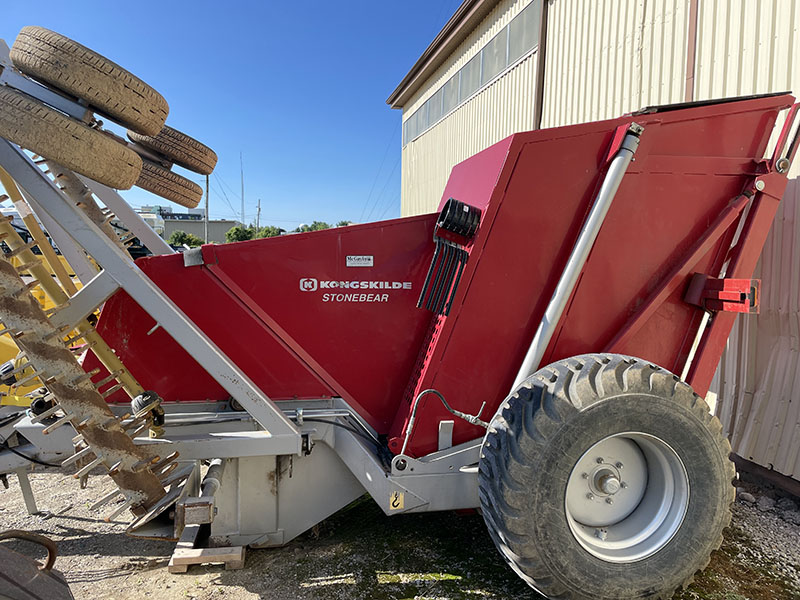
(268, 231)
(344, 223)
(239, 234)
(181, 238)
(315, 226)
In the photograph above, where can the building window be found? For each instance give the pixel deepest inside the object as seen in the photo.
(470, 78)
(435, 106)
(450, 94)
(494, 57)
(515, 41)
(523, 34)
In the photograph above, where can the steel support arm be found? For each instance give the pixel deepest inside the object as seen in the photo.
(120, 266)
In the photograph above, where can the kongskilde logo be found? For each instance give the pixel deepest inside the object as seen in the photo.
(308, 284)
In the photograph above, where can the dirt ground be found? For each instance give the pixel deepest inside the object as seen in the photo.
(358, 553)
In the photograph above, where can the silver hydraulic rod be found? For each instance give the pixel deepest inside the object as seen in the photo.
(577, 259)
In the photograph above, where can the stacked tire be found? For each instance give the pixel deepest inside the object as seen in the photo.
(108, 90)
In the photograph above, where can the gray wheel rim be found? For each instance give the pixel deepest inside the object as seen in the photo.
(627, 497)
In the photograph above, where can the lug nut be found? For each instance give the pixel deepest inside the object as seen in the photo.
(623, 485)
(599, 460)
(619, 465)
(590, 496)
(609, 501)
(585, 475)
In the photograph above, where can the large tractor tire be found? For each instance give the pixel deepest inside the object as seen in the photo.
(604, 476)
(180, 149)
(108, 88)
(51, 134)
(163, 182)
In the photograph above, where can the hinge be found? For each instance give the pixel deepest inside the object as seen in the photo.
(724, 295)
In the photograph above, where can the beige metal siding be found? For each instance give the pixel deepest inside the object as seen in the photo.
(500, 16)
(502, 108)
(747, 47)
(759, 376)
(609, 57)
(428, 160)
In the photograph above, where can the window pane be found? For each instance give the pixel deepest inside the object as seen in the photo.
(412, 127)
(494, 56)
(435, 109)
(422, 118)
(405, 132)
(470, 78)
(450, 93)
(524, 31)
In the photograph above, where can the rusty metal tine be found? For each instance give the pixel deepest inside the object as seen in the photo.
(77, 456)
(62, 421)
(105, 500)
(85, 470)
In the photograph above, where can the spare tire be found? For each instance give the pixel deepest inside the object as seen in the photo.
(108, 88)
(53, 135)
(179, 148)
(163, 182)
(605, 476)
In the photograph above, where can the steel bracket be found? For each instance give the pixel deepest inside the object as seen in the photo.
(724, 295)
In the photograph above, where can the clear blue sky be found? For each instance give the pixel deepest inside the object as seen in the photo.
(299, 88)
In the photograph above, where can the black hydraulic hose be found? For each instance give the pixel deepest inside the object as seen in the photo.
(4, 445)
(474, 419)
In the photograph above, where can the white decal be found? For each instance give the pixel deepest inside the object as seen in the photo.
(308, 284)
(355, 297)
(360, 261)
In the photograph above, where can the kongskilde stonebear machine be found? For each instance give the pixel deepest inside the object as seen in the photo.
(537, 349)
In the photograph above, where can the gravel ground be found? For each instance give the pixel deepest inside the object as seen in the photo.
(360, 553)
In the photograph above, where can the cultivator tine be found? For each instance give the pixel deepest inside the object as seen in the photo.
(111, 390)
(76, 396)
(105, 500)
(108, 379)
(167, 470)
(79, 455)
(113, 515)
(62, 421)
(83, 198)
(85, 470)
(49, 412)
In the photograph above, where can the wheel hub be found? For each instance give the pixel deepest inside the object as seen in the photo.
(626, 497)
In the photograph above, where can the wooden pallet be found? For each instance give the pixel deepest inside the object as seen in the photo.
(186, 553)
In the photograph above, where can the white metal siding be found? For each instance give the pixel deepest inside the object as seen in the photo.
(609, 57)
(758, 381)
(428, 160)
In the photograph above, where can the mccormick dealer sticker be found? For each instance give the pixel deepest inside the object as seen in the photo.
(360, 261)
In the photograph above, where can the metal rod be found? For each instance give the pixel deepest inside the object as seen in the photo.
(580, 252)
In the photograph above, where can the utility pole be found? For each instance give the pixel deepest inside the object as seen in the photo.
(258, 215)
(241, 166)
(205, 216)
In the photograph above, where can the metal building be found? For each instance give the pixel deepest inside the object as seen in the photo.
(502, 66)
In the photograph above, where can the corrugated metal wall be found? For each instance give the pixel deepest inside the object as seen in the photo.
(605, 58)
(504, 107)
(428, 160)
(608, 57)
(758, 381)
